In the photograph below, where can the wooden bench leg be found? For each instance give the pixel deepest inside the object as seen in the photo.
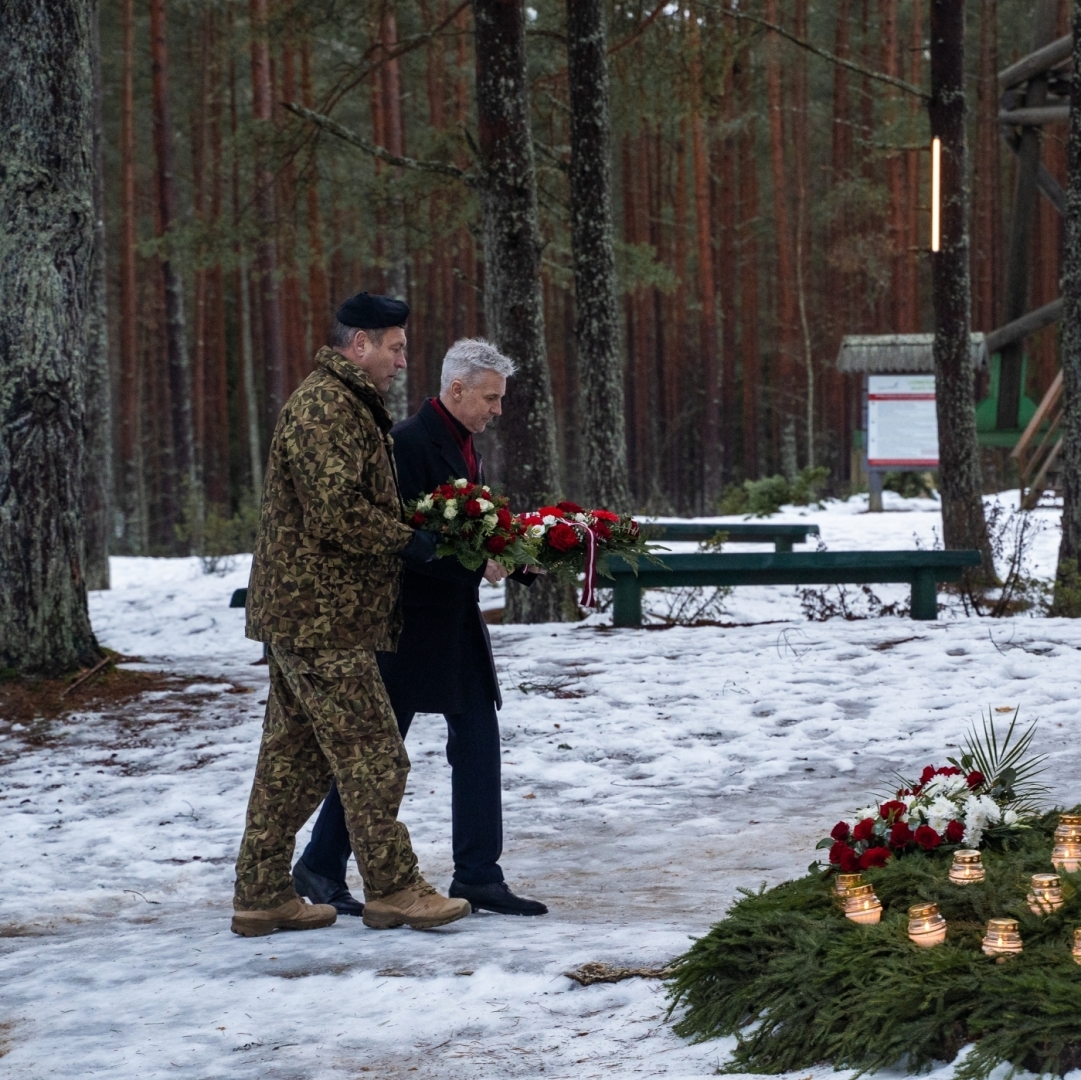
(626, 602)
(924, 595)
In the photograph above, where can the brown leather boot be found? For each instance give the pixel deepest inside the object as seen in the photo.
(418, 906)
(294, 914)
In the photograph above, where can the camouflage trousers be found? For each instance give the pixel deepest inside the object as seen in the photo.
(320, 727)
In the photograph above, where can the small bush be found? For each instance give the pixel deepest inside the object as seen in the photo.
(763, 498)
(911, 485)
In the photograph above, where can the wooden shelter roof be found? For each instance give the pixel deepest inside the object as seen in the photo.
(887, 354)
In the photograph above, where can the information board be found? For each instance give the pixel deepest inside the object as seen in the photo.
(902, 429)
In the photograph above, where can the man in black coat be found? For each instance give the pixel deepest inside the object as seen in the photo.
(444, 660)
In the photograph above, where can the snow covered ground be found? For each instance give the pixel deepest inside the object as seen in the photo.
(647, 776)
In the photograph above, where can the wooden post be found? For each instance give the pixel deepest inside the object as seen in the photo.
(1018, 256)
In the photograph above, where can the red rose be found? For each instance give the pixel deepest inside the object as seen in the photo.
(864, 830)
(569, 507)
(952, 770)
(550, 511)
(900, 835)
(446, 490)
(472, 508)
(892, 809)
(503, 517)
(927, 838)
(468, 489)
(840, 831)
(601, 531)
(496, 544)
(605, 515)
(530, 519)
(875, 856)
(837, 850)
(927, 775)
(955, 832)
(975, 779)
(850, 862)
(562, 537)
(417, 519)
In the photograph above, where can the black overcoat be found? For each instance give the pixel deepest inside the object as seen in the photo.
(444, 660)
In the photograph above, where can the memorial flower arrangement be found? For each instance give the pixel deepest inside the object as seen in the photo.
(473, 525)
(983, 797)
(569, 540)
(797, 981)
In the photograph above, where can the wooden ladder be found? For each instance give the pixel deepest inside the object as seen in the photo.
(1034, 462)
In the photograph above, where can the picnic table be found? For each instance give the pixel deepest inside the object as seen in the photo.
(922, 570)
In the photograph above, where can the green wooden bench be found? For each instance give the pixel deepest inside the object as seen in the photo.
(781, 536)
(919, 569)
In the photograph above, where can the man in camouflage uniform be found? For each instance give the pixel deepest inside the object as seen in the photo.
(324, 594)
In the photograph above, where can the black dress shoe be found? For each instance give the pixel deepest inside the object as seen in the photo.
(496, 897)
(321, 890)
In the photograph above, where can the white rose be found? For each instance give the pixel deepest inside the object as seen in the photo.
(536, 531)
(459, 484)
(549, 519)
(1010, 817)
(490, 521)
(450, 511)
(484, 505)
(425, 503)
(582, 518)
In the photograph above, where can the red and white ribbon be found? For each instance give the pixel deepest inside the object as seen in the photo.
(590, 537)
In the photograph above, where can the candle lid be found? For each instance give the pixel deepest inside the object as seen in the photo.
(860, 892)
(1045, 881)
(965, 856)
(848, 881)
(1069, 819)
(1002, 926)
(922, 911)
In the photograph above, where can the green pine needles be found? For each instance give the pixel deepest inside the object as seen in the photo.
(801, 985)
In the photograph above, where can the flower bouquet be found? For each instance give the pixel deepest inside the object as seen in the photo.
(568, 540)
(473, 525)
(984, 797)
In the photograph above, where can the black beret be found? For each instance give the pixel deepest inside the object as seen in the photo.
(367, 312)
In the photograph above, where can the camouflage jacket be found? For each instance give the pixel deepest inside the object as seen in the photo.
(327, 569)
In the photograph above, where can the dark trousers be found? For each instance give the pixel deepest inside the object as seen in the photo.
(476, 802)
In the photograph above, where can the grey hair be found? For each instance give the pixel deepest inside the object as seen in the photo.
(341, 336)
(468, 357)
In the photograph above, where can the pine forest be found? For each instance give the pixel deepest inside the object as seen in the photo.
(263, 160)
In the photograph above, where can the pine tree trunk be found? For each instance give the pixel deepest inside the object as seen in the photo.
(131, 486)
(267, 252)
(787, 300)
(513, 306)
(319, 300)
(711, 439)
(748, 270)
(398, 270)
(596, 291)
(963, 523)
(242, 295)
(1067, 585)
(187, 496)
(47, 225)
(98, 476)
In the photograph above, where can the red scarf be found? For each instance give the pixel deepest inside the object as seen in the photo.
(462, 437)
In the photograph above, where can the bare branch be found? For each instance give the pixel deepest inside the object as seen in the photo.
(833, 58)
(442, 168)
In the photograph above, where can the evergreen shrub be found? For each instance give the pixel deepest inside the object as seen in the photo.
(763, 498)
(802, 986)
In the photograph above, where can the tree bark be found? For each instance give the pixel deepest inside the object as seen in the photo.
(597, 329)
(787, 300)
(513, 304)
(98, 481)
(186, 494)
(1067, 586)
(748, 268)
(267, 251)
(47, 246)
(963, 522)
(132, 482)
(319, 307)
